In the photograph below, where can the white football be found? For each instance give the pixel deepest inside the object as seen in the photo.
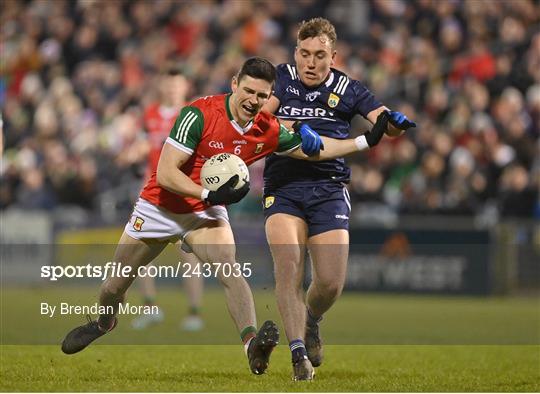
(220, 168)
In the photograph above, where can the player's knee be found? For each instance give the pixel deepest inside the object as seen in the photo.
(287, 267)
(331, 289)
(229, 280)
(219, 255)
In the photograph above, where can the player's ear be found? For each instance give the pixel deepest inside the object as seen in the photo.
(333, 57)
(234, 84)
(296, 53)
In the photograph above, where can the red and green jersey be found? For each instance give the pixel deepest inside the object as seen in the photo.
(206, 127)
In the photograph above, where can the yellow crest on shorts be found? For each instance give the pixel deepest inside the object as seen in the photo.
(333, 100)
(268, 201)
(137, 224)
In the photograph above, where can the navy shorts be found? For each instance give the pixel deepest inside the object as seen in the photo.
(323, 207)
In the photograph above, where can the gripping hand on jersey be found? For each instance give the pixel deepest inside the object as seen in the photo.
(226, 194)
(311, 141)
(374, 136)
(400, 121)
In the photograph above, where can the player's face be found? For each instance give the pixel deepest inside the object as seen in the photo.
(174, 89)
(249, 96)
(314, 56)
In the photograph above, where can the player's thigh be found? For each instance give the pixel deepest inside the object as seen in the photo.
(137, 252)
(189, 261)
(329, 252)
(186, 254)
(213, 242)
(287, 237)
(134, 253)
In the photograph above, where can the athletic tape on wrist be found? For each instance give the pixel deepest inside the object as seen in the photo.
(361, 142)
(204, 194)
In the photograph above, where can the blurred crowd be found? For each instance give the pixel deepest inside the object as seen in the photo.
(76, 77)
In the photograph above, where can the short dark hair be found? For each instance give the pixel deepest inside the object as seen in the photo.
(171, 69)
(259, 68)
(317, 27)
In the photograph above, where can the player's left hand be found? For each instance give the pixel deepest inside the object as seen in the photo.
(311, 141)
(400, 121)
(226, 194)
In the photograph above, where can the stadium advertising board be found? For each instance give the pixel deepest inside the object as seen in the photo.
(425, 261)
(25, 242)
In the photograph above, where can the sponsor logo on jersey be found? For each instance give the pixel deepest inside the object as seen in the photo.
(241, 142)
(259, 147)
(292, 90)
(333, 100)
(137, 224)
(293, 111)
(268, 201)
(312, 96)
(216, 144)
(342, 217)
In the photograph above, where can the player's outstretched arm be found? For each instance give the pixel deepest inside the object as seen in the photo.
(334, 148)
(171, 178)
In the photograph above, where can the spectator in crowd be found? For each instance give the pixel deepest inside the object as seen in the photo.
(75, 77)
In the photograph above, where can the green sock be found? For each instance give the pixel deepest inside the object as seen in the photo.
(247, 333)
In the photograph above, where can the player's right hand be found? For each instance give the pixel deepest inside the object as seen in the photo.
(311, 141)
(400, 121)
(226, 194)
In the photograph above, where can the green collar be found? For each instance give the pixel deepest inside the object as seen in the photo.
(228, 107)
(235, 124)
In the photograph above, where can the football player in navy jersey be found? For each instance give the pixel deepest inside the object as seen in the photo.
(306, 204)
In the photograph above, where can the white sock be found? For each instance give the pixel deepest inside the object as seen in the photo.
(246, 345)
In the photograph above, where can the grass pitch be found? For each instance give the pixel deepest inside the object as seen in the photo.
(380, 343)
(219, 368)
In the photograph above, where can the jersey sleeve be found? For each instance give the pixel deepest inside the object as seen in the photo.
(364, 100)
(288, 141)
(187, 130)
(282, 80)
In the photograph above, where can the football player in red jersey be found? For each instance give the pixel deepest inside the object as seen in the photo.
(173, 205)
(158, 119)
(160, 115)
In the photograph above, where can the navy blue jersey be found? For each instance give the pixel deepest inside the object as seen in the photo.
(328, 109)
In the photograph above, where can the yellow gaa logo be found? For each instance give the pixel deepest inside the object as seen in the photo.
(333, 100)
(268, 201)
(137, 224)
(259, 147)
